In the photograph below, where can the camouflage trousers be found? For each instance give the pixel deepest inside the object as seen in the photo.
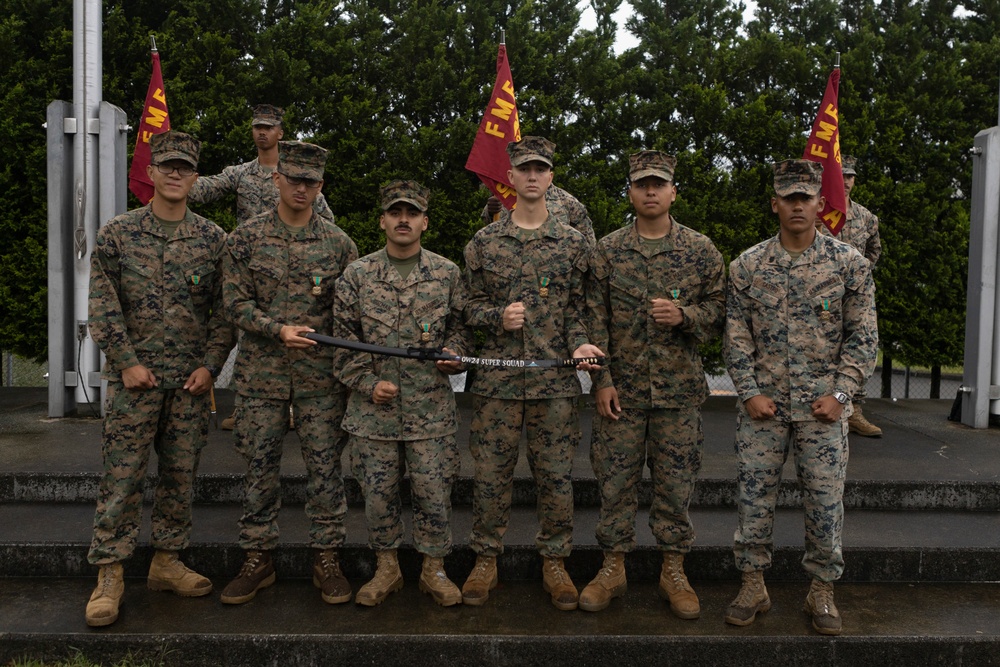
(670, 442)
(174, 424)
(553, 431)
(432, 465)
(261, 426)
(820, 454)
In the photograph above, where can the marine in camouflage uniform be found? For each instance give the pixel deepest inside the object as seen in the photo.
(403, 296)
(280, 273)
(800, 340)
(253, 184)
(861, 231)
(526, 293)
(252, 181)
(655, 292)
(560, 204)
(155, 311)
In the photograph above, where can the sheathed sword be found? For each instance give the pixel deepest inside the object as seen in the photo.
(437, 354)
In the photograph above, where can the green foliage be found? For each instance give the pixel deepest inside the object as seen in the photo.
(397, 89)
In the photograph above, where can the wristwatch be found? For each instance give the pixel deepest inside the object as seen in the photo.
(841, 397)
(214, 371)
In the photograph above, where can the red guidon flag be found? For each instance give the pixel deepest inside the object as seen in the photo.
(824, 147)
(488, 158)
(154, 121)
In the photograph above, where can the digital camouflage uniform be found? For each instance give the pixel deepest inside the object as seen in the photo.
(251, 182)
(546, 273)
(796, 330)
(657, 372)
(860, 231)
(154, 301)
(562, 206)
(374, 304)
(276, 277)
(255, 191)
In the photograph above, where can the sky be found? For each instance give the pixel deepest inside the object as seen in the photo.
(624, 39)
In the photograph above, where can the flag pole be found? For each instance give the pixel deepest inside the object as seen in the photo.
(836, 62)
(152, 42)
(503, 37)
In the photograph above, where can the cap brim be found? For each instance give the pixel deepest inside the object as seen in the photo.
(643, 173)
(270, 122)
(420, 207)
(798, 189)
(531, 157)
(176, 155)
(300, 172)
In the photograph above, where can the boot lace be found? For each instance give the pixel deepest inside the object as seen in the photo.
(329, 563)
(250, 564)
(480, 570)
(747, 596)
(677, 577)
(555, 570)
(822, 595)
(107, 580)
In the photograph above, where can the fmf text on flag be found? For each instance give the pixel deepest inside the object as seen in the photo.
(488, 158)
(824, 147)
(155, 120)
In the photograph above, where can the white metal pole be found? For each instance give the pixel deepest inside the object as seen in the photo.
(87, 92)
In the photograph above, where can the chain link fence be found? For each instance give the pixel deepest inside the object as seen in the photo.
(19, 372)
(906, 382)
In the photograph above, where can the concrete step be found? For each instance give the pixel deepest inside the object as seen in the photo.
(73, 487)
(47, 539)
(288, 625)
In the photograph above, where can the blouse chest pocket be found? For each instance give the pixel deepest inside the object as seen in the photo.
(430, 321)
(499, 275)
(268, 277)
(379, 318)
(827, 300)
(138, 277)
(200, 280)
(769, 295)
(626, 293)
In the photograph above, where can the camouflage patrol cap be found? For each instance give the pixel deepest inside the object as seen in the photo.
(651, 163)
(529, 149)
(410, 192)
(797, 176)
(173, 145)
(848, 164)
(267, 114)
(301, 160)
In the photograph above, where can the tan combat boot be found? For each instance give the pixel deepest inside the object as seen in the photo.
(751, 600)
(609, 583)
(256, 573)
(387, 580)
(857, 423)
(102, 609)
(229, 423)
(329, 579)
(168, 573)
(435, 581)
(556, 582)
(481, 581)
(675, 588)
(819, 605)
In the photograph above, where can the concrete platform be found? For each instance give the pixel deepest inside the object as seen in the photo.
(288, 624)
(922, 545)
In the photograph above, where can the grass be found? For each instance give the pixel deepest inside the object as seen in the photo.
(77, 659)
